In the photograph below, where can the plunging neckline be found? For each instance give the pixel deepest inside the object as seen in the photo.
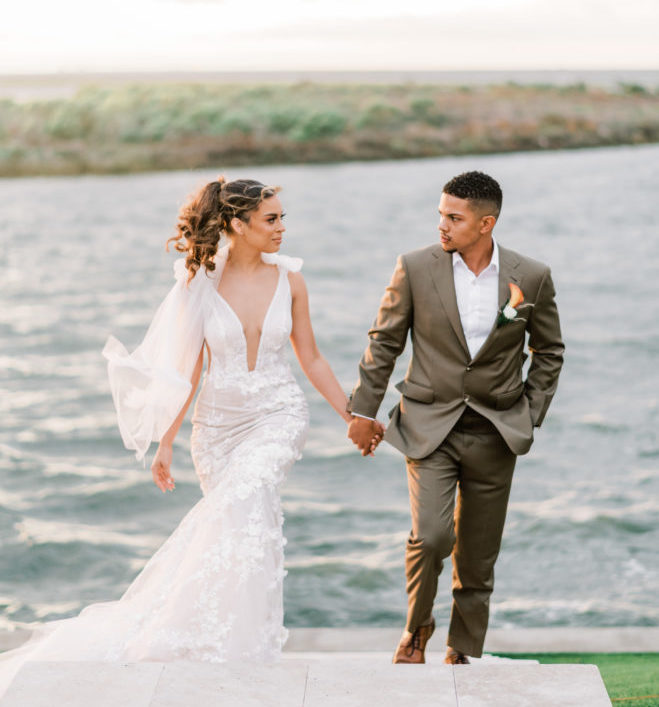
(239, 321)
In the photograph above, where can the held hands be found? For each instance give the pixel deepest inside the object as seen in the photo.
(160, 469)
(366, 434)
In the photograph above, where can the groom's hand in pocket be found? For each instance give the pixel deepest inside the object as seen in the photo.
(365, 433)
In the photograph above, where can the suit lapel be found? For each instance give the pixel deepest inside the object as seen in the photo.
(441, 270)
(508, 272)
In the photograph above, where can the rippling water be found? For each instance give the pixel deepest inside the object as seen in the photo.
(82, 258)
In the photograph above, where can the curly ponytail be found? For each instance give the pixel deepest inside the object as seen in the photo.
(208, 214)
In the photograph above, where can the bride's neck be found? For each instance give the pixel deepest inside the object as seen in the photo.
(243, 256)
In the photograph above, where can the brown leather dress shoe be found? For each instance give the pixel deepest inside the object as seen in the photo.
(412, 645)
(455, 657)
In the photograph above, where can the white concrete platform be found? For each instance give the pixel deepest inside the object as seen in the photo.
(307, 680)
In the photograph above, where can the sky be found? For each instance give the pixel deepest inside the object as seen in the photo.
(43, 36)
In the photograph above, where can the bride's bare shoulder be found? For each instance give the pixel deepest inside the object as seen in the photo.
(296, 281)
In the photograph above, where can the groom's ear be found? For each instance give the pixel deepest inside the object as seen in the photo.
(487, 223)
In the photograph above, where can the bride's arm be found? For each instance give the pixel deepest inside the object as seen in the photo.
(312, 362)
(160, 468)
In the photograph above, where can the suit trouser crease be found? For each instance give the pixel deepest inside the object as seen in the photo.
(458, 501)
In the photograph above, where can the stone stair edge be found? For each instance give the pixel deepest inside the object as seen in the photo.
(555, 639)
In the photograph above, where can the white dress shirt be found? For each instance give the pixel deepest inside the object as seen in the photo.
(478, 298)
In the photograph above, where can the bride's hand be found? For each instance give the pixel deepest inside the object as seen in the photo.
(160, 469)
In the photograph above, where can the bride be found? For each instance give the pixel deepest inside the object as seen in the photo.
(213, 591)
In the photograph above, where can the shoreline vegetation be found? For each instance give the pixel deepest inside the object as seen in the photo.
(136, 127)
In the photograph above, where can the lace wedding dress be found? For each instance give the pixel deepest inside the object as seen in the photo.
(214, 590)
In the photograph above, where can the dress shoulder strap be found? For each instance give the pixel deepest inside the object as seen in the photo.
(286, 262)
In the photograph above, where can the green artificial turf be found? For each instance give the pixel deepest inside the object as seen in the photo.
(630, 678)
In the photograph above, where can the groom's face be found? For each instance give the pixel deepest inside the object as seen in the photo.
(460, 224)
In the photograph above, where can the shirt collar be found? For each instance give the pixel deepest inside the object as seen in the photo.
(494, 262)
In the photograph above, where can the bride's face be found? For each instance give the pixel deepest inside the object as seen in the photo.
(265, 228)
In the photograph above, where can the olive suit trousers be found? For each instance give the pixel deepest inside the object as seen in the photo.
(458, 499)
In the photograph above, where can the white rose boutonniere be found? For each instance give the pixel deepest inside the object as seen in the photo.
(508, 313)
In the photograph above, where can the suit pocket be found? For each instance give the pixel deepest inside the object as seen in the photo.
(508, 399)
(414, 391)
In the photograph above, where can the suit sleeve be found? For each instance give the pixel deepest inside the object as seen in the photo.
(546, 347)
(387, 339)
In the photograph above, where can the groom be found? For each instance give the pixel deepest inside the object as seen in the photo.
(465, 411)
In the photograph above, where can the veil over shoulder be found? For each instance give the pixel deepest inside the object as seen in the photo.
(150, 385)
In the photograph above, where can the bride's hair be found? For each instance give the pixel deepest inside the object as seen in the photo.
(208, 214)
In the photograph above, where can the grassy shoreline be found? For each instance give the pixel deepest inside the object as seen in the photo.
(115, 129)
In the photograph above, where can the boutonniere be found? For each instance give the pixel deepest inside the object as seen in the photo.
(507, 313)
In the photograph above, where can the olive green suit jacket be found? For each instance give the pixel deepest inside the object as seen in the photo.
(442, 378)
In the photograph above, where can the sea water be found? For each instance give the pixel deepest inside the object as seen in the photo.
(82, 257)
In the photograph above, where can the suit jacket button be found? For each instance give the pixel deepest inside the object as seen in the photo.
(469, 368)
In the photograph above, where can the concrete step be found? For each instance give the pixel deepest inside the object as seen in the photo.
(307, 680)
(559, 639)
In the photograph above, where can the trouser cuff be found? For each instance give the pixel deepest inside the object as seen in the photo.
(466, 647)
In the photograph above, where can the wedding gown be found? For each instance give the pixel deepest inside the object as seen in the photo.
(214, 589)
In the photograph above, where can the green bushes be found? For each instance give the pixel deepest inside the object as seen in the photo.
(319, 125)
(282, 121)
(69, 121)
(381, 116)
(427, 110)
(132, 127)
(236, 122)
(632, 89)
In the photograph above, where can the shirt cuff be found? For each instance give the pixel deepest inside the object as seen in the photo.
(366, 417)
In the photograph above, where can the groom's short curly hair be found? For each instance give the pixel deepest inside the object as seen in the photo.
(479, 188)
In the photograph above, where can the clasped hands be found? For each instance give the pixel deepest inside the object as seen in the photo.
(366, 434)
